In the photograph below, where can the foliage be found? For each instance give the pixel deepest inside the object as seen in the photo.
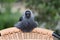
(7, 18)
(7, 1)
(48, 11)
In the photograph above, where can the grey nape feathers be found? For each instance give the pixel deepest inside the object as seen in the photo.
(26, 22)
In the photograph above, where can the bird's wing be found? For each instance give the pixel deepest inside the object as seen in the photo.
(21, 18)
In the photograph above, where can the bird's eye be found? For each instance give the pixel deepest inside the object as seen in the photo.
(25, 14)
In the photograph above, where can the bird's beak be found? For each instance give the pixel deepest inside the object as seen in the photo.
(27, 15)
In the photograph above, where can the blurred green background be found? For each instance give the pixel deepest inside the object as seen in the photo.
(47, 12)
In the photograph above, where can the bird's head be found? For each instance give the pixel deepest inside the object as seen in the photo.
(27, 14)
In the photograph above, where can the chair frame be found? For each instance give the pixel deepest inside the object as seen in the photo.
(13, 30)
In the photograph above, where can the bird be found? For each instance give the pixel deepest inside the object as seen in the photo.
(27, 23)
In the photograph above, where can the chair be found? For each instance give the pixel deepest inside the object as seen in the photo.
(16, 34)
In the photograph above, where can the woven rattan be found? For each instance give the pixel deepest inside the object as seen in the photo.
(16, 34)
